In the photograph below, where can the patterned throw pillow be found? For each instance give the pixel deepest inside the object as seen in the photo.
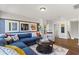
(12, 38)
(38, 34)
(15, 37)
(9, 38)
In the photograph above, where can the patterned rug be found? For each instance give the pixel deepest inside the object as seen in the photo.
(57, 50)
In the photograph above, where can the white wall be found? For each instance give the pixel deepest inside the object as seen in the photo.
(7, 15)
(12, 16)
(66, 27)
(50, 26)
(74, 27)
(42, 22)
(74, 34)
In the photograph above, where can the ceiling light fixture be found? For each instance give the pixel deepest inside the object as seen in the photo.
(42, 9)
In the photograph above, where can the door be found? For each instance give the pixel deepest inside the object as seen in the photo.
(56, 30)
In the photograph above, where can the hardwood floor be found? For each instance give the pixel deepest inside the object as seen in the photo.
(71, 44)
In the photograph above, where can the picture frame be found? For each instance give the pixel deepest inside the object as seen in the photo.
(24, 26)
(33, 26)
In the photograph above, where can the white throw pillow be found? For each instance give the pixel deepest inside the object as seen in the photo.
(34, 34)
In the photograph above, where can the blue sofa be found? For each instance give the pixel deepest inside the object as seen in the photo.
(21, 45)
(24, 41)
(25, 48)
(27, 38)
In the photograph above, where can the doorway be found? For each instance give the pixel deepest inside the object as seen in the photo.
(56, 30)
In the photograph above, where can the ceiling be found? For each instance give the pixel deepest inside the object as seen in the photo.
(53, 11)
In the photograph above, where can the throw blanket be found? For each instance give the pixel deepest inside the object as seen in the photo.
(7, 51)
(11, 50)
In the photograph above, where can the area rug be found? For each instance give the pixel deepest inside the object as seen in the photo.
(57, 50)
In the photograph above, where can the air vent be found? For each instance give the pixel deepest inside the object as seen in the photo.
(76, 6)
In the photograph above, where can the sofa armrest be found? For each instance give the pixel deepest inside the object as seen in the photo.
(2, 42)
(29, 51)
(19, 44)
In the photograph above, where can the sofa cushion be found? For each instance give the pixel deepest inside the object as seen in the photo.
(19, 44)
(29, 51)
(28, 35)
(28, 39)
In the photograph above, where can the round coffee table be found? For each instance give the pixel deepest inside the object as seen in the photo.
(44, 47)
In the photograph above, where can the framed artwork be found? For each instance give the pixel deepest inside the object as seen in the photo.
(24, 26)
(62, 28)
(14, 26)
(34, 27)
(9, 26)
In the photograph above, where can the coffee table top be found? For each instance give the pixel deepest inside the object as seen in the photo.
(44, 47)
(45, 42)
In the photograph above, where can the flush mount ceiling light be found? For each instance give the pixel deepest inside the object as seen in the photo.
(42, 9)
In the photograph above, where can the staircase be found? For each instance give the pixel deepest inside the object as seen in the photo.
(69, 35)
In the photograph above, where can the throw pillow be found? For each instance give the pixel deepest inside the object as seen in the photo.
(15, 37)
(34, 34)
(9, 38)
(38, 34)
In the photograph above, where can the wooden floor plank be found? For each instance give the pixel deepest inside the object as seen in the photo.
(71, 44)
